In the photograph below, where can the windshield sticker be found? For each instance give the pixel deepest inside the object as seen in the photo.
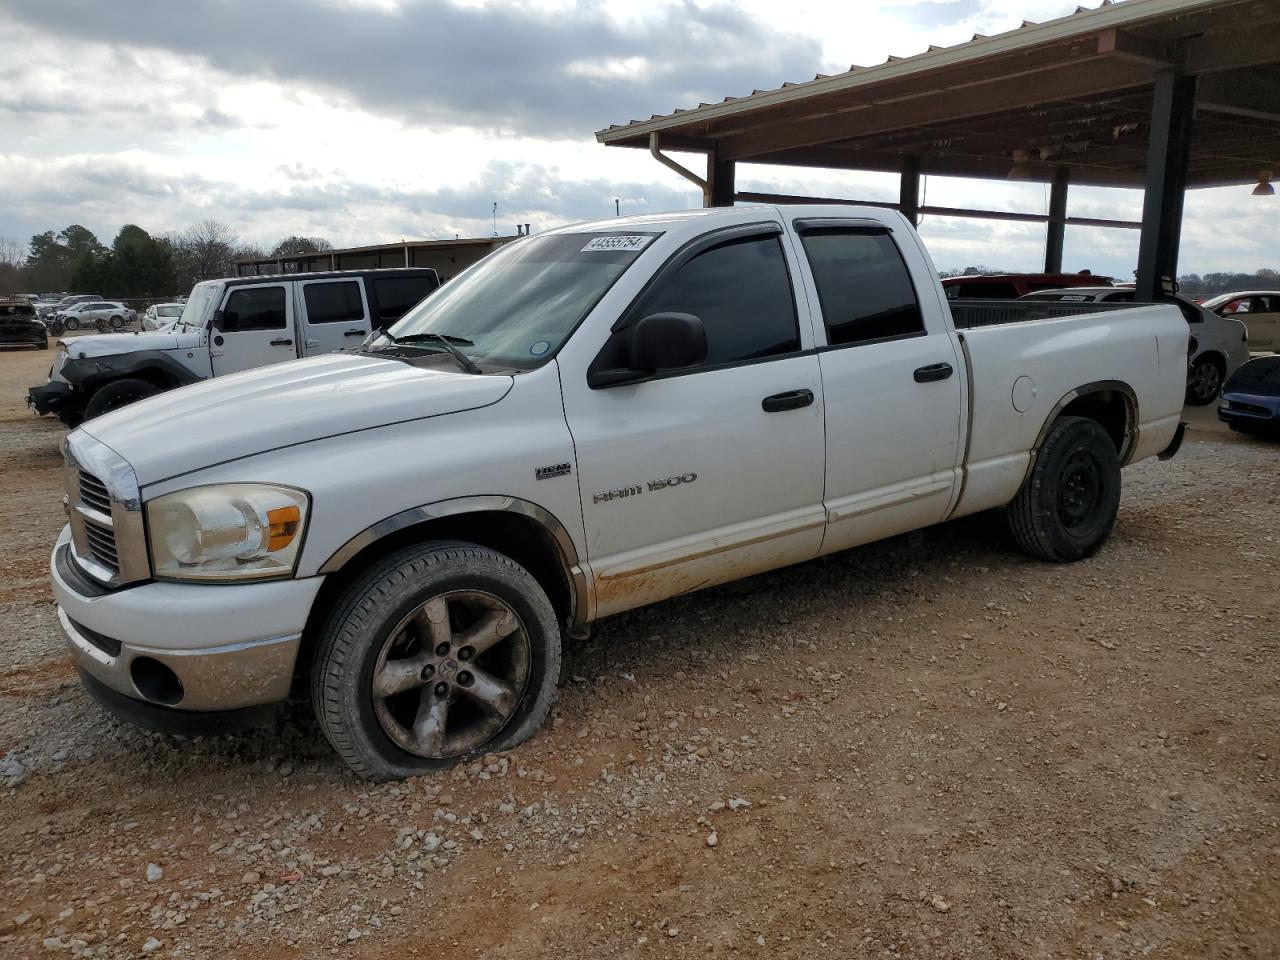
(616, 242)
(539, 348)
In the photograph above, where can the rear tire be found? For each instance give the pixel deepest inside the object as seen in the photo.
(1204, 382)
(117, 323)
(397, 686)
(1067, 507)
(117, 394)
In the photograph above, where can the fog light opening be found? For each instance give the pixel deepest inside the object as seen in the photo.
(155, 681)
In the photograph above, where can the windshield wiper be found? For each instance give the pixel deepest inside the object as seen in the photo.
(446, 341)
(429, 337)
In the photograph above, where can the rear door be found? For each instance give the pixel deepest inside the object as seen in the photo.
(253, 329)
(892, 380)
(334, 314)
(1263, 321)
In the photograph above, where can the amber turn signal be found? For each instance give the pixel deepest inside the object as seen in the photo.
(284, 526)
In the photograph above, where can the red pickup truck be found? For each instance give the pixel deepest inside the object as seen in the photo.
(1011, 286)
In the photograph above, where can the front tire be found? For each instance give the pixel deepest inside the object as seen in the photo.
(71, 324)
(1204, 382)
(439, 654)
(1067, 507)
(117, 394)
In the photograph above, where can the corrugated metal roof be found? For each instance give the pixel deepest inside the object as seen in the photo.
(1028, 35)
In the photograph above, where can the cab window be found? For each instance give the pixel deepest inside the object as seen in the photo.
(741, 291)
(863, 284)
(254, 308)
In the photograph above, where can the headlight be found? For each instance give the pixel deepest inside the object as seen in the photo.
(228, 531)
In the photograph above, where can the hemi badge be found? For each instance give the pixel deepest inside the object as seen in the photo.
(557, 470)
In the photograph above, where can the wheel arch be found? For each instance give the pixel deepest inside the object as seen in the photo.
(154, 366)
(529, 534)
(1112, 404)
(1213, 354)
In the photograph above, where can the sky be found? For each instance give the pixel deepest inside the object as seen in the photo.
(371, 121)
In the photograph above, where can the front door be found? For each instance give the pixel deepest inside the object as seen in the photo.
(892, 379)
(255, 329)
(335, 315)
(712, 473)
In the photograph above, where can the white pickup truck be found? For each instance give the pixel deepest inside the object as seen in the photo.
(585, 422)
(227, 326)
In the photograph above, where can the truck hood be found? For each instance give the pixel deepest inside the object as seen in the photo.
(281, 405)
(111, 344)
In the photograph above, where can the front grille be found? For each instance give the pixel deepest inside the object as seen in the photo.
(1248, 408)
(102, 543)
(108, 542)
(93, 493)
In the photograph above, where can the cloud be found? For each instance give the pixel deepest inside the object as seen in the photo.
(503, 67)
(106, 191)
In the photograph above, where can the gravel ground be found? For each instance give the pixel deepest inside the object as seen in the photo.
(930, 747)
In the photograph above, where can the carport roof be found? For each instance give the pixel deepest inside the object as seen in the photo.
(1074, 92)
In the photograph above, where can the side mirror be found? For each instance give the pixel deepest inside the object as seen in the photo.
(658, 342)
(668, 341)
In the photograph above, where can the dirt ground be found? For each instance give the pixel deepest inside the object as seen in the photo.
(931, 747)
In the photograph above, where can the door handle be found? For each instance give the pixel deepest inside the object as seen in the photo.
(353, 333)
(282, 342)
(934, 371)
(791, 400)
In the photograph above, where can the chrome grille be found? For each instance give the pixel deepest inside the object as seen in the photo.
(102, 544)
(105, 512)
(93, 493)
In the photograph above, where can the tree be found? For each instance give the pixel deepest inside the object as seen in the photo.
(292, 246)
(205, 251)
(138, 265)
(53, 259)
(12, 255)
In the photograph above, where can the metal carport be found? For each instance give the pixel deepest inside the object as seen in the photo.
(1164, 95)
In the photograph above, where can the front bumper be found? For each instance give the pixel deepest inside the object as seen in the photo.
(184, 647)
(34, 338)
(50, 397)
(1261, 411)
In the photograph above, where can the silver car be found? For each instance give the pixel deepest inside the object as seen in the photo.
(103, 314)
(1221, 344)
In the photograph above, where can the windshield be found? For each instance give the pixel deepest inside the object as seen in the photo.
(518, 305)
(170, 310)
(1261, 375)
(197, 308)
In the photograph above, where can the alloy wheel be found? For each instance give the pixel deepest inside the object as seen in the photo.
(451, 674)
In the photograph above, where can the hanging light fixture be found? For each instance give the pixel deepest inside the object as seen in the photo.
(1020, 170)
(1264, 187)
